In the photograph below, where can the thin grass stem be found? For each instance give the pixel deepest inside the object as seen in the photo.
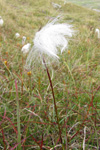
(54, 100)
(18, 118)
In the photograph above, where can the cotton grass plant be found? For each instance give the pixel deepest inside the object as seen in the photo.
(81, 100)
(51, 39)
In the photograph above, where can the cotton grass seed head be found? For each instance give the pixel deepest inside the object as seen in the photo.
(25, 49)
(97, 31)
(50, 40)
(23, 40)
(1, 21)
(17, 35)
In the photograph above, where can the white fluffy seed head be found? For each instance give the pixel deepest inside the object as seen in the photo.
(50, 39)
(25, 49)
(1, 21)
(17, 35)
(97, 31)
(23, 40)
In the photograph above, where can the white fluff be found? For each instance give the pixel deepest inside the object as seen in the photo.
(50, 39)
(17, 35)
(23, 40)
(56, 5)
(25, 49)
(97, 31)
(1, 21)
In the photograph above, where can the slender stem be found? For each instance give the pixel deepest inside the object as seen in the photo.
(53, 100)
(22, 76)
(30, 85)
(66, 130)
(18, 117)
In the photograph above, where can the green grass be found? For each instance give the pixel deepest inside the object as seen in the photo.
(76, 79)
(89, 3)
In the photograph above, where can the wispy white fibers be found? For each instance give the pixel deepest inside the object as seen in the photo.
(51, 39)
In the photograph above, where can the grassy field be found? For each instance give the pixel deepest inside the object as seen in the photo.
(87, 3)
(27, 112)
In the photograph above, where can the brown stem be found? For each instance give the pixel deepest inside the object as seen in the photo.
(53, 100)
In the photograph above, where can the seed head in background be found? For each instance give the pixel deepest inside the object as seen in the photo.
(23, 40)
(1, 21)
(25, 49)
(97, 31)
(17, 35)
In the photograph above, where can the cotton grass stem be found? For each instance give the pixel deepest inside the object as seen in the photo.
(18, 118)
(53, 100)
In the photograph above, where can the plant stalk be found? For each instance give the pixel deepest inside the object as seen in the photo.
(53, 100)
(18, 118)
